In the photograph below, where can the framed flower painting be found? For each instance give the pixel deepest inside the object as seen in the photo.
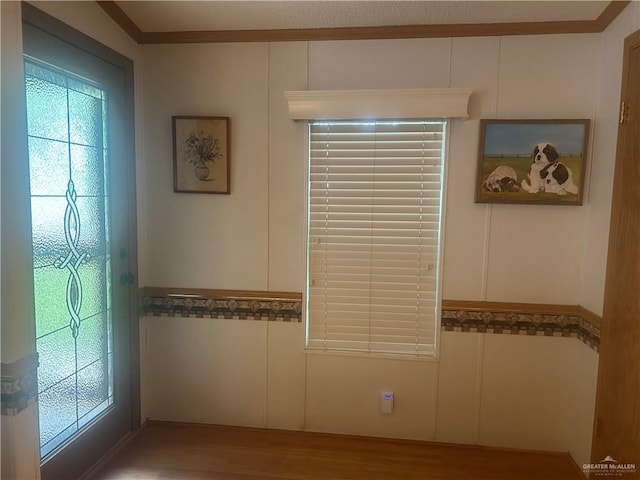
(201, 154)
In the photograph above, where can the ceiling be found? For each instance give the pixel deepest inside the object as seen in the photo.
(185, 16)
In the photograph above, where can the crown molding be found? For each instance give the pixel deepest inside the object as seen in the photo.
(363, 33)
(610, 13)
(121, 18)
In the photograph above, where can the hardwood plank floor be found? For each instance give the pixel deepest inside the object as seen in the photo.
(166, 451)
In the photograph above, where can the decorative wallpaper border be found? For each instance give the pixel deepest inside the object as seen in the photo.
(522, 319)
(19, 385)
(222, 304)
(457, 316)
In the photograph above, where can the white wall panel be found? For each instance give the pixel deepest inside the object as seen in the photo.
(459, 382)
(198, 373)
(525, 399)
(343, 396)
(285, 376)
(548, 76)
(201, 240)
(474, 63)
(345, 65)
(535, 254)
(287, 169)
(581, 402)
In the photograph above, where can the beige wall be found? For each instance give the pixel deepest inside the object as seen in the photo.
(528, 392)
(253, 239)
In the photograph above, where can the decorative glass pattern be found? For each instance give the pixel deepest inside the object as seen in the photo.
(66, 119)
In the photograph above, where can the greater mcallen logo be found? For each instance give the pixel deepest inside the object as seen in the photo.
(609, 466)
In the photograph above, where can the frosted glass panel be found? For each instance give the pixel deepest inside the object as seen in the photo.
(72, 264)
(87, 170)
(85, 119)
(50, 290)
(93, 389)
(48, 233)
(48, 166)
(91, 239)
(92, 343)
(57, 408)
(46, 104)
(93, 286)
(57, 358)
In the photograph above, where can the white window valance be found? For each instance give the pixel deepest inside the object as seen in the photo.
(378, 104)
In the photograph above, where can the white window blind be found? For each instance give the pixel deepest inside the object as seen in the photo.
(375, 201)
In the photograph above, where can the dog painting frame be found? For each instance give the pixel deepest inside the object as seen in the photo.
(201, 161)
(539, 162)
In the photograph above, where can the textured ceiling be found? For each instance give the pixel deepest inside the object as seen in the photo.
(162, 16)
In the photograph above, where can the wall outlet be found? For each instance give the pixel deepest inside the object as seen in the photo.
(386, 402)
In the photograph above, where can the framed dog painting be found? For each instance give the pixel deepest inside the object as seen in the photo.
(532, 161)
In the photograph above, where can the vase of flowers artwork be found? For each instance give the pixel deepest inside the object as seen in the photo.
(201, 171)
(200, 150)
(201, 154)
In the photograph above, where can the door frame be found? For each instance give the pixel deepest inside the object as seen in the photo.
(42, 21)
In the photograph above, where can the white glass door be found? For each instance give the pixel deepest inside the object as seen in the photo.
(83, 233)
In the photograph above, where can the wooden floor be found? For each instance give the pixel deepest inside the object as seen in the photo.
(176, 452)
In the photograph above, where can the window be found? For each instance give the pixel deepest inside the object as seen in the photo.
(374, 218)
(70, 225)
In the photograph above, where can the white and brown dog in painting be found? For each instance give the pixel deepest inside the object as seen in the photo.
(543, 154)
(502, 179)
(547, 173)
(558, 179)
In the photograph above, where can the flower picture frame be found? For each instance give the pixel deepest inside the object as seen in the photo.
(201, 154)
(540, 162)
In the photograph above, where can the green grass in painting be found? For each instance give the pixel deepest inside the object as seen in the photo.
(521, 165)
